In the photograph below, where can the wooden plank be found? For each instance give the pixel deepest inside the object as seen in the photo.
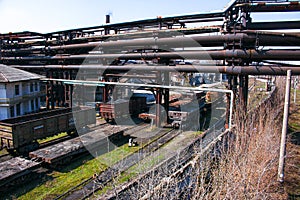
(15, 168)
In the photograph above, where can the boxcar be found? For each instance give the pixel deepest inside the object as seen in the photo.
(21, 133)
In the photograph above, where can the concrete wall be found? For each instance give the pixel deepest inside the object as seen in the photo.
(4, 112)
(2, 90)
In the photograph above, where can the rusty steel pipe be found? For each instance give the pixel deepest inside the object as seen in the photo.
(274, 25)
(252, 39)
(271, 7)
(197, 55)
(194, 41)
(246, 55)
(233, 70)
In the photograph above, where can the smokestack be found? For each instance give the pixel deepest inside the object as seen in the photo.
(107, 19)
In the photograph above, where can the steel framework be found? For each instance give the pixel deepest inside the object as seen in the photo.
(236, 46)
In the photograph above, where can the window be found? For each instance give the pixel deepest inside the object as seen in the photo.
(12, 111)
(32, 105)
(17, 90)
(31, 87)
(36, 103)
(18, 109)
(36, 86)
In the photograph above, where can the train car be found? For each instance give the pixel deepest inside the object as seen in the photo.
(21, 133)
(187, 113)
(111, 111)
(195, 115)
(188, 117)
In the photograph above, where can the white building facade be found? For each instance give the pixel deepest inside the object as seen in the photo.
(20, 92)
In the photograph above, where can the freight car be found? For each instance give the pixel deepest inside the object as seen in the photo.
(194, 115)
(112, 111)
(21, 133)
(186, 118)
(188, 114)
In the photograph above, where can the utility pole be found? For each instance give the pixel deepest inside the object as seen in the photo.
(284, 127)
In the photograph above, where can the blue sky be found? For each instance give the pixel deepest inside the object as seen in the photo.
(54, 15)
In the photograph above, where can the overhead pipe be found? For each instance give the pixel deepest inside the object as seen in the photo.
(235, 55)
(233, 70)
(198, 55)
(271, 7)
(205, 41)
(97, 38)
(252, 7)
(274, 25)
(262, 39)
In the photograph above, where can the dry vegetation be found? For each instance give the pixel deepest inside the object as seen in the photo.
(248, 170)
(247, 167)
(292, 180)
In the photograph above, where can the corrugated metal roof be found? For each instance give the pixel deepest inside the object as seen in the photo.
(10, 74)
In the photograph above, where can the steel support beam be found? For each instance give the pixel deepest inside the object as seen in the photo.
(158, 108)
(243, 91)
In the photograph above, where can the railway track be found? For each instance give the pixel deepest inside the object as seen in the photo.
(88, 187)
(187, 158)
(5, 157)
(174, 163)
(13, 171)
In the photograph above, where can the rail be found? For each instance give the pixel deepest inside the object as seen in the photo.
(183, 156)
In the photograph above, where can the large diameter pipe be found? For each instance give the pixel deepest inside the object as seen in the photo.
(195, 41)
(235, 55)
(254, 55)
(173, 42)
(252, 39)
(271, 7)
(274, 25)
(233, 70)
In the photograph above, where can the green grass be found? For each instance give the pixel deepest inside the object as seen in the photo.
(52, 138)
(118, 154)
(133, 172)
(59, 181)
(294, 126)
(63, 181)
(3, 152)
(147, 164)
